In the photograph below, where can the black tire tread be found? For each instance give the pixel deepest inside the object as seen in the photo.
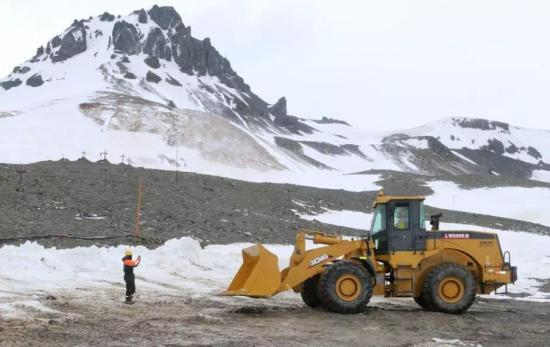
(309, 292)
(327, 293)
(422, 303)
(438, 273)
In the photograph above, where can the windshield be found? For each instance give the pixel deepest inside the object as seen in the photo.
(379, 220)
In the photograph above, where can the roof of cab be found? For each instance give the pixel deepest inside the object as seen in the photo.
(382, 199)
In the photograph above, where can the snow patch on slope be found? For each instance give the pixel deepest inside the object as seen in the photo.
(541, 175)
(527, 204)
(345, 218)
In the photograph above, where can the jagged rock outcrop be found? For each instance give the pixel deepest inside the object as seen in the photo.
(142, 16)
(512, 149)
(130, 76)
(533, 152)
(155, 44)
(152, 62)
(107, 17)
(152, 77)
(326, 120)
(21, 70)
(11, 84)
(73, 43)
(35, 80)
(278, 109)
(165, 16)
(481, 124)
(126, 38)
(494, 145)
(39, 52)
(192, 55)
(56, 41)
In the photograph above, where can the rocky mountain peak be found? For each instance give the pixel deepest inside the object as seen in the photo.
(278, 109)
(158, 39)
(165, 16)
(481, 124)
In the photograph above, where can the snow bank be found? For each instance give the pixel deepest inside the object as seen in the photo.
(528, 204)
(179, 266)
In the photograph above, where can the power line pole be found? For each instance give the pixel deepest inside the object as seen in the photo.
(177, 165)
(20, 171)
(137, 230)
(104, 155)
(122, 157)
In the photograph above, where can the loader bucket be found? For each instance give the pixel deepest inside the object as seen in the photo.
(259, 274)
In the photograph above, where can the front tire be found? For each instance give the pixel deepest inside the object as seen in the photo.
(310, 291)
(345, 287)
(449, 288)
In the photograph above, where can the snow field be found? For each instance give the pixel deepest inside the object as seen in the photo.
(527, 204)
(541, 175)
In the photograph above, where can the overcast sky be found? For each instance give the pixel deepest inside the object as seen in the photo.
(377, 64)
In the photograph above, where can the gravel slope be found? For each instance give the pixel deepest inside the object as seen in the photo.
(99, 199)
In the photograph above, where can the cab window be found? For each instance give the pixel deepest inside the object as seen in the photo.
(401, 217)
(379, 220)
(422, 220)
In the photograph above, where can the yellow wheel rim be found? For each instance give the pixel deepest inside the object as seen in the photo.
(348, 287)
(451, 289)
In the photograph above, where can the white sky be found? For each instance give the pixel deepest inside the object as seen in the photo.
(377, 64)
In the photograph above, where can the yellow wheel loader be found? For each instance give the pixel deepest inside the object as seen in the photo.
(442, 270)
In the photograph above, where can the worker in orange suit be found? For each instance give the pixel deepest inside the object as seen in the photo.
(129, 277)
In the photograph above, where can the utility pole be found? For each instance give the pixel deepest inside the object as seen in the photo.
(122, 157)
(20, 171)
(104, 155)
(177, 165)
(137, 230)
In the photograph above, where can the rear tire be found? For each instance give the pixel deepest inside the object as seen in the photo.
(345, 287)
(449, 288)
(310, 292)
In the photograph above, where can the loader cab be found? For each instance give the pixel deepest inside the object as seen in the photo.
(398, 224)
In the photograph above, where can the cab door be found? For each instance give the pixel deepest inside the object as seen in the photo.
(400, 233)
(404, 227)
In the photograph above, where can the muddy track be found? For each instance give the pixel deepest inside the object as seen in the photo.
(101, 319)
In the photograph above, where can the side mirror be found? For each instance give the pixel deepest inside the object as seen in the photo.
(367, 235)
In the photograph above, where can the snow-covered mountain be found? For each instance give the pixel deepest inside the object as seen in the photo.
(142, 86)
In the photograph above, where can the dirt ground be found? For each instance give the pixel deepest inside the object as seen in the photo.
(100, 318)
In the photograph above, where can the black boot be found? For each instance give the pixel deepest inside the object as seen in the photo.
(129, 299)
